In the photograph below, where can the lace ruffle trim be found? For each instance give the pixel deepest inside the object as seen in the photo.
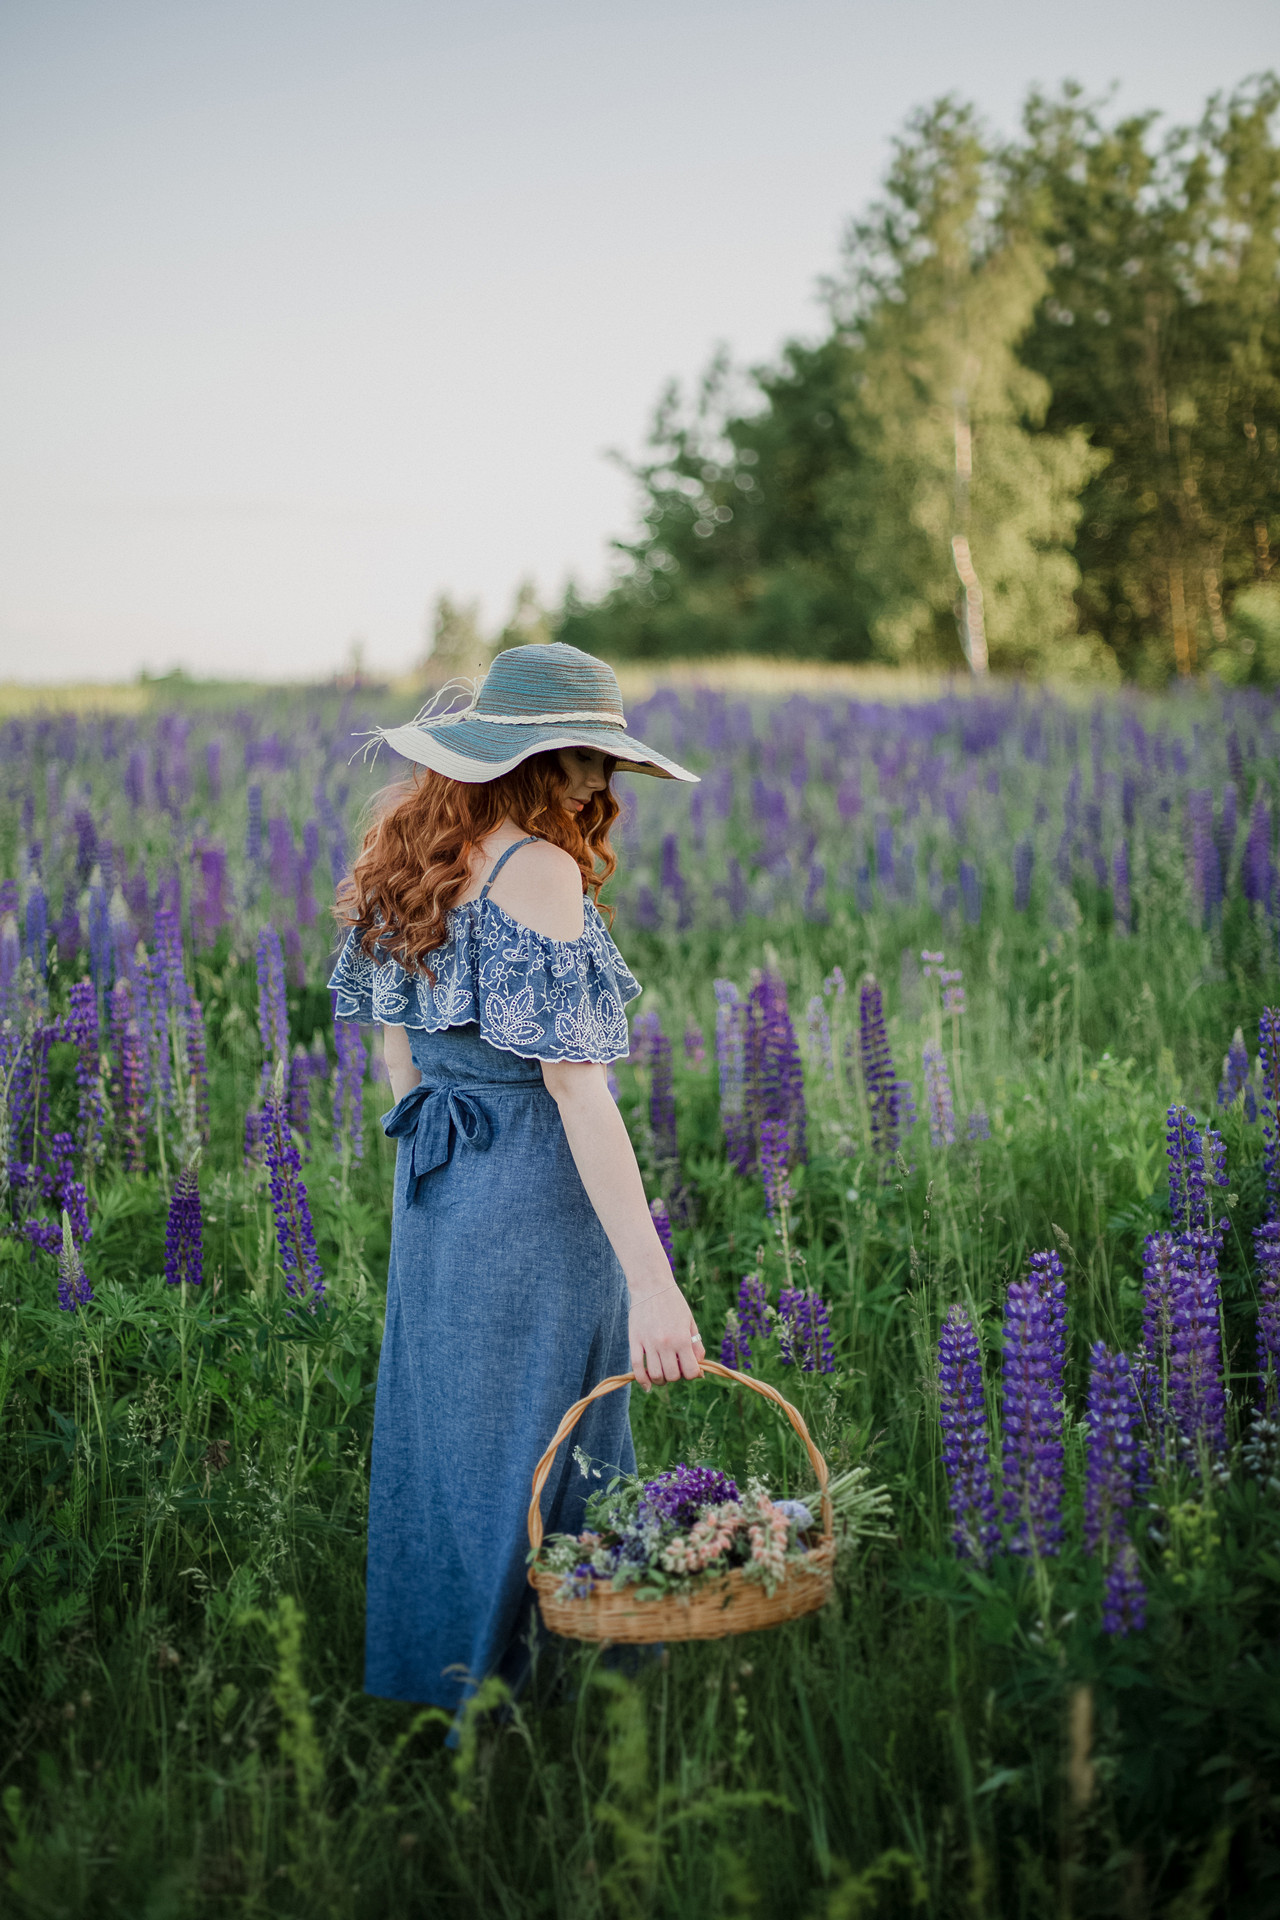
(543, 999)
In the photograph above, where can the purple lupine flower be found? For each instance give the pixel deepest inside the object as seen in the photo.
(273, 1013)
(775, 1161)
(695, 1049)
(804, 1331)
(679, 1494)
(1266, 1250)
(1124, 1597)
(348, 1088)
(299, 1101)
(645, 1029)
(252, 1138)
(1235, 1070)
(878, 1076)
(1034, 1359)
(1121, 891)
(835, 983)
(662, 1101)
(965, 1451)
(63, 1192)
(1158, 1290)
(745, 1322)
(951, 981)
(1112, 1416)
(184, 1232)
(1024, 860)
(295, 1234)
(82, 1031)
(1187, 1203)
(775, 1081)
(1215, 1157)
(100, 943)
(253, 829)
(10, 961)
(979, 1125)
(170, 975)
(938, 1100)
(1196, 1395)
(662, 1221)
(731, 1061)
(295, 966)
(74, 1289)
(131, 1093)
(37, 927)
(211, 911)
(1269, 1067)
(1256, 869)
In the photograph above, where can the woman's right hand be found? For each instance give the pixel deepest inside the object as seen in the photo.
(665, 1342)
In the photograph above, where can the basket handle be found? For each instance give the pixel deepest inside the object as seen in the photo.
(617, 1380)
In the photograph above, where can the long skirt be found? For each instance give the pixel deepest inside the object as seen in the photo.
(505, 1303)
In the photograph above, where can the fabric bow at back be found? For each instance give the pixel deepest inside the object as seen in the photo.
(433, 1117)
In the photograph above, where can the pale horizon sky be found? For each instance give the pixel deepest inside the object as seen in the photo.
(311, 313)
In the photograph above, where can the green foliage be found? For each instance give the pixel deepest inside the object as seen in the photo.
(1065, 350)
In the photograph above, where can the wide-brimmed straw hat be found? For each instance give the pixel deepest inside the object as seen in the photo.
(531, 700)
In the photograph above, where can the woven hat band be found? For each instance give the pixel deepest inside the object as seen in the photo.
(580, 715)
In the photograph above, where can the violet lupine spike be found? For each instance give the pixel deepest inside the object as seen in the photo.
(1269, 1066)
(1235, 1070)
(131, 1103)
(662, 1222)
(300, 1095)
(1158, 1290)
(804, 1331)
(1187, 1204)
(731, 1061)
(1266, 1252)
(938, 1100)
(662, 1102)
(295, 1235)
(1034, 1359)
(979, 1125)
(82, 1031)
(695, 1049)
(348, 1088)
(37, 927)
(1215, 1157)
(1196, 1396)
(273, 1013)
(965, 1448)
(878, 1075)
(184, 1232)
(1112, 1417)
(775, 1161)
(775, 1079)
(1124, 1597)
(169, 970)
(748, 1320)
(74, 1289)
(252, 1138)
(645, 1029)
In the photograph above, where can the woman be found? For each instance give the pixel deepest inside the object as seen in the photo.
(524, 1262)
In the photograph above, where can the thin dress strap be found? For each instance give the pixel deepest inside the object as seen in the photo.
(501, 861)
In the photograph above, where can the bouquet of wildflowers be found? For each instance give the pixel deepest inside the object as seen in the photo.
(666, 1534)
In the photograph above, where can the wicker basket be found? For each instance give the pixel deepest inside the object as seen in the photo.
(717, 1606)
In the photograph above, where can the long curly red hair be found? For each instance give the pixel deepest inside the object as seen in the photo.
(414, 861)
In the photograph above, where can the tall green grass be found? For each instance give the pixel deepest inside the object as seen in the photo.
(185, 1480)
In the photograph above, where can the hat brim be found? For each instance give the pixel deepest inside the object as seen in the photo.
(477, 750)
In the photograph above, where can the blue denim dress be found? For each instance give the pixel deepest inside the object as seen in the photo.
(505, 1301)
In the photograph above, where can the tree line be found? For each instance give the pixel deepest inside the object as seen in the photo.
(1040, 431)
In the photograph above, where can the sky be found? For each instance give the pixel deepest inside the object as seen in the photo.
(311, 312)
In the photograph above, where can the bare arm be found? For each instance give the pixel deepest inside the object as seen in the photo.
(404, 1076)
(665, 1342)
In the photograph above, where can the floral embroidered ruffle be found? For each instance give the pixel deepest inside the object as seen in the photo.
(543, 999)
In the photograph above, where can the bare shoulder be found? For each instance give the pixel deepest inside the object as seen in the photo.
(541, 887)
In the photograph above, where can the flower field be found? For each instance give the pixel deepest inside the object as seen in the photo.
(958, 1100)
